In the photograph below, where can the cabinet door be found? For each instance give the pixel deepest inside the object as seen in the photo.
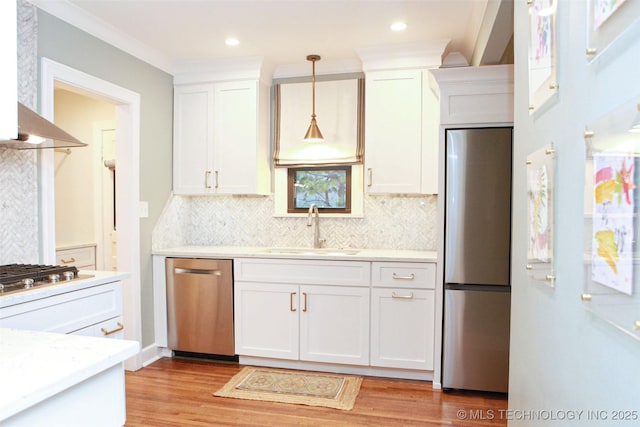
(430, 137)
(393, 128)
(236, 131)
(266, 320)
(334, 324)
(402, 328)
(192, 139)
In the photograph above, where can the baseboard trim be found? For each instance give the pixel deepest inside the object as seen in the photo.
(406, 374)
(152, 353)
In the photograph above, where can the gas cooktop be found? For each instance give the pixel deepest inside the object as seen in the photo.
(22, 277)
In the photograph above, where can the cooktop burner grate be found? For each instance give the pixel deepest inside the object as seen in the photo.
(15, 272)
(15, 277)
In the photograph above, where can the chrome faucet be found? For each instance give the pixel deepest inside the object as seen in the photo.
(317, 240)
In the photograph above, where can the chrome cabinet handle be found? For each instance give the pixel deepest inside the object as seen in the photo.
(370, 174)
(304, 308)
(396, 296)
(217, 180)
(291, 295)
(68, 261)
(207, 174)
(409, 277)
(113, 331)
(197, 271)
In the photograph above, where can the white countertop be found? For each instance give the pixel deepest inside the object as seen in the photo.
(38, 365)
(93, 278)
(305, 253)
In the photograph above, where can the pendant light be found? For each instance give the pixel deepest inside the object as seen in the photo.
(313, 133)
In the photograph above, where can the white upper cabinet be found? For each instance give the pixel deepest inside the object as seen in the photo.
(401, 133)
(221, 143)
(192, 138)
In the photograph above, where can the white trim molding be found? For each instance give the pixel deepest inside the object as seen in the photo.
(104, 31)
(127, 104)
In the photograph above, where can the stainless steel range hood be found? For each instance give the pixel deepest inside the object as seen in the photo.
(36, 132)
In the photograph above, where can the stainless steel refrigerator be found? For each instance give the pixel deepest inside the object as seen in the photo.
(477, 291)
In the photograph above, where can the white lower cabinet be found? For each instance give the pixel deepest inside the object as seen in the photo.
(402, 328)
(70, 312)
(310, 323)
(334, 324)
(378, 314)
(302, 310)
(266, 320)
(403, 315)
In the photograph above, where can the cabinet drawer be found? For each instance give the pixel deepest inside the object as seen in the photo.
(112, 328)
(66, 313)
(302, 272)
(82, 258)
(404, 274)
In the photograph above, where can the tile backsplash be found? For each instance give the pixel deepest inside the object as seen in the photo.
(389, 222)
(19, 169)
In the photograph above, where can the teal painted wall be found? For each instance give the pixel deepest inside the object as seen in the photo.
(563, 358)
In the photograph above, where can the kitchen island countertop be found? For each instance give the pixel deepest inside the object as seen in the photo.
(354, 254)
(40, 365)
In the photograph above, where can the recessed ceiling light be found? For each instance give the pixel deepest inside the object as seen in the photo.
(398, 26)
(232, 41)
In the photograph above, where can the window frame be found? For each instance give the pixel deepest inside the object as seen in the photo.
(291, 189)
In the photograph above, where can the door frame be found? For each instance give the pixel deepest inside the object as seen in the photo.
(127, 105)
(99, 198)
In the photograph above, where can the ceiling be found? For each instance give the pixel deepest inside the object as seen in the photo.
(182, 35)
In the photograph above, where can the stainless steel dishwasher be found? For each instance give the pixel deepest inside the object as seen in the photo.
(200, 305)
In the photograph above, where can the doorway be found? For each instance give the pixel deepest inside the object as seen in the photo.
(127, 183)
(87, 223)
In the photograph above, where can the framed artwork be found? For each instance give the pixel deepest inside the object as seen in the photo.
(542, 53)
(612, 221)
(540, 215)
(611, 23)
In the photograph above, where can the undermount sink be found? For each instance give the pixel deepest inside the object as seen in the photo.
(311, 251)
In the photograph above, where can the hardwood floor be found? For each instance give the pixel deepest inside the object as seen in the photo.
(178, 392)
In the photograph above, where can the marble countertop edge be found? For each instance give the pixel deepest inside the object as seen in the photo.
(403, 255)
(38, 365)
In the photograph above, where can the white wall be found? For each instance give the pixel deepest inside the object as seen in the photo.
(563, 358)
(74, 172)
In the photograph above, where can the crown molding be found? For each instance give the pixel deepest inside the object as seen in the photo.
(323, 67)
(244, 68)
(480, 74)
(393, 57)
(100, 29)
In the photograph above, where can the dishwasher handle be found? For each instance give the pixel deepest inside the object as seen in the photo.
(197, 271)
